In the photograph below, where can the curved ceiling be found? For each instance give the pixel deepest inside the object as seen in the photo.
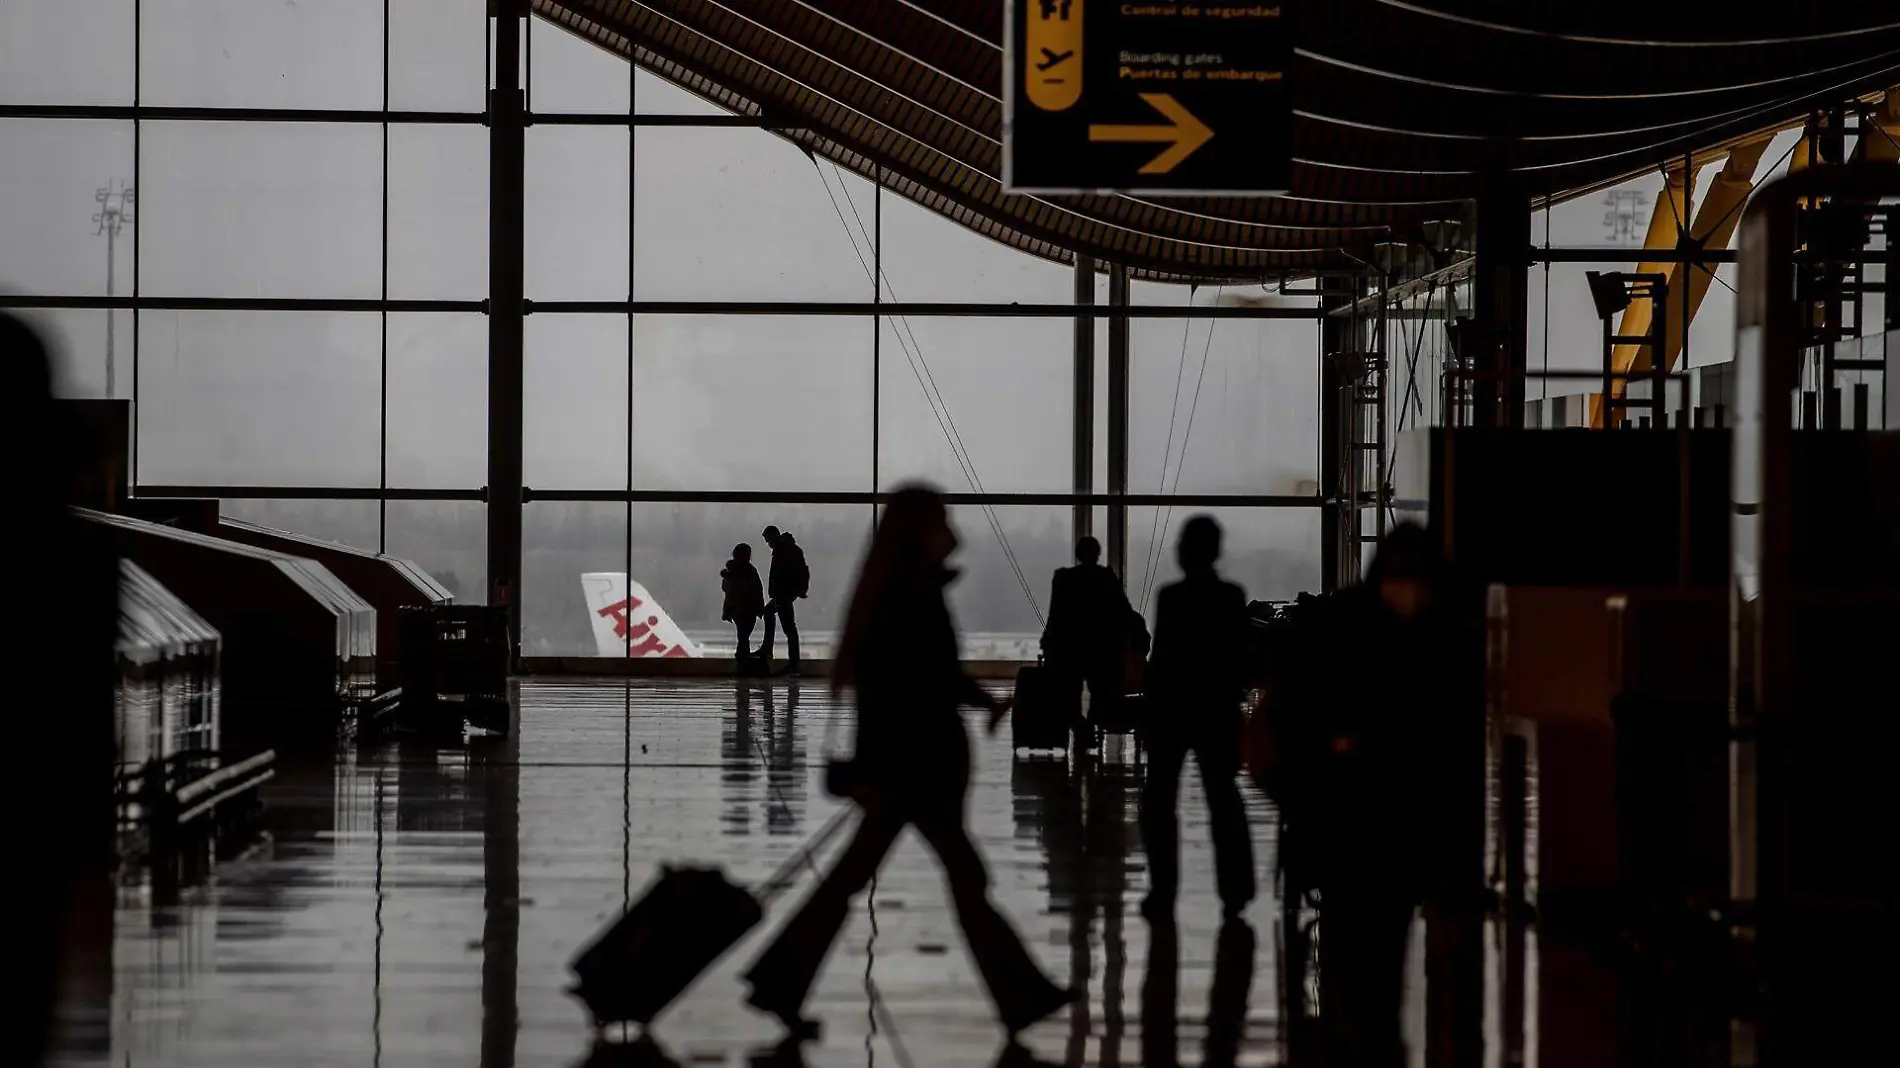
(1404, 109)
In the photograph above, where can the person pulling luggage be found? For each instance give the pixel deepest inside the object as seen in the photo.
(911, 768)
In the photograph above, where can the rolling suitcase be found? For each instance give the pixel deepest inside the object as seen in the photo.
(1042, 717)
(684, 921)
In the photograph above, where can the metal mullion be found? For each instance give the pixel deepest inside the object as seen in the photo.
(877, 337)
(708, 122)
(626, 531)
(1685, 239)
(138, 176)
(836, 309)
(311, 493)
(341, 116)
(922, 309)
(877, 497)
(303, 304)
(382, 425)
(1699, 257)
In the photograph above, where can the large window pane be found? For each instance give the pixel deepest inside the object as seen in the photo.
(438, 212)
(243, 53)
(448, 539)
(574, 402)
(438, 401)
(999, 392)
(261, 210)
(654, 95)
(259, 398)
(1272, 552)
(83, 342)
(677, 553)
(572, 75)
(1230, 405)
(678, 550)
(63, 183)
(66, 51)
(577, 213)
(560, 542)
(738, 214)
(1564, 331)
(752, 402)
(997, 617)
(930, 258)
(1145, 293)
(438, 52)
(353, 523)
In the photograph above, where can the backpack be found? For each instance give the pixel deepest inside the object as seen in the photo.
(800, 573)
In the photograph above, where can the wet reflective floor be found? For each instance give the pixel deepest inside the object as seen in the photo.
(414, 905)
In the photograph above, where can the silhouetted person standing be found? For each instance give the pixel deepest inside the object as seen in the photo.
(1195, 681)
(64, 593)
(1087, 630)
(789, 581)
(1387, 793)
(744, 599)
(911, 768)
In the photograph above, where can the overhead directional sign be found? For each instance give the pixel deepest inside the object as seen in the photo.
(1162, 96)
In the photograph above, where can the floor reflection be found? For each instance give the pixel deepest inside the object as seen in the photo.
(417, 905)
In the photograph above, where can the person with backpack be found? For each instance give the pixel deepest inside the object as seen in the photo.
(788, 582)
(744, 600)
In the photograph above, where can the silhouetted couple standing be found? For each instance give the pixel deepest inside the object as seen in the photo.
(1194, 682)
(899, 654)
(746, 599)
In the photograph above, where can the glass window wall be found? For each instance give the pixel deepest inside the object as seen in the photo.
(287, 270)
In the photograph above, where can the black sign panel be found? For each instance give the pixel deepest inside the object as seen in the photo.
(1157, 96)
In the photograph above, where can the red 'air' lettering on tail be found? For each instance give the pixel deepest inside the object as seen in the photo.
(619, 613)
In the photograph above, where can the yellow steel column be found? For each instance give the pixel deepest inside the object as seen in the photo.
(1665, 224)
(1715, 221)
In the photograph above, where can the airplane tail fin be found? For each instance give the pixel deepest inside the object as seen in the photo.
(627, 621)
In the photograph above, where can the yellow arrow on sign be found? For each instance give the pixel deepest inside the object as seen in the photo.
(1187, 132)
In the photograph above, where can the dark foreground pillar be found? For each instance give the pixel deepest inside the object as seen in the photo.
(507, 124)
(1502, 300)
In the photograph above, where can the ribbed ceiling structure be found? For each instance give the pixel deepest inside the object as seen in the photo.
(1404, 109)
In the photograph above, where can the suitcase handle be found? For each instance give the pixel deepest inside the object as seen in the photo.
(787, 873)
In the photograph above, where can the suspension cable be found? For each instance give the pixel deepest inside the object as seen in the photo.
(1167, 450)
(1180, 461)
(920, 369)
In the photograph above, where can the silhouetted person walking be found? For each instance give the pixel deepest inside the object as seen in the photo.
(911, 768)
(744, 600)
(1087, 631)
(65, 600)
(1387, 793)
(1195, 681)
(789, 581)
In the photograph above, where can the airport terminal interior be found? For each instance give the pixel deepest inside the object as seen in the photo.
(476, 471)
